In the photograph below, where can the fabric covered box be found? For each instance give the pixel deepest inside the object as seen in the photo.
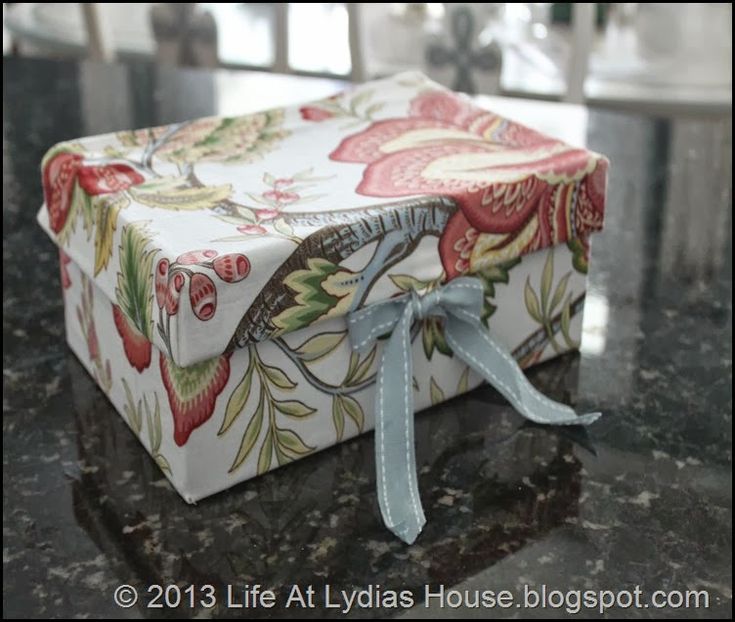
(209, 268)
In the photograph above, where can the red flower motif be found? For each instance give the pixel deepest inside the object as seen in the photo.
(463, 247)
(161, 282)
(192, 392)
(203, 296)
(194, 257)
(64, 260)
(266, 214)
(505, 178)
(444, 107)
(281, 197)
(282, 183)
(173, 293)
(109, 178)
(64, 170)
(93, 344)
(252, 229)
(314, 113)
(59, 177)
(232, 268)
(136, 345)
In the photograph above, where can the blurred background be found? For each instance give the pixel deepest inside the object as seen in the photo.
(643, 56)
(648, 85)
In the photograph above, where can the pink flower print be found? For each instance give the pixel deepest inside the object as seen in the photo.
(64, 259)
(267, 214)
(252, 229)
(282, 183)
(314, 113)
(463, 247)
(281, 197)
(447, 146)
(93, 344)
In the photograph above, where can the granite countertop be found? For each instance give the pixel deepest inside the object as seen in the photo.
(643, 498)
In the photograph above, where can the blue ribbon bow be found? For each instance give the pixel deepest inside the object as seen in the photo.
(460, 303)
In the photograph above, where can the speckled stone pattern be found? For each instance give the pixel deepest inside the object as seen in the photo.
(643, 498)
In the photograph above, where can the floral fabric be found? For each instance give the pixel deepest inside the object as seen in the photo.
(216, 234)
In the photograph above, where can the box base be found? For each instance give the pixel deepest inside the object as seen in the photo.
(218, 423)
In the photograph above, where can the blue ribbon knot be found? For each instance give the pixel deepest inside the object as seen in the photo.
(460, 304)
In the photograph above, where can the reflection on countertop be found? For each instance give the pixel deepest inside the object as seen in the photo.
(644, 498)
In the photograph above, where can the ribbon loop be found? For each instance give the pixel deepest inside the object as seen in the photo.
(427, 305)
(460, 302)
(366, 325)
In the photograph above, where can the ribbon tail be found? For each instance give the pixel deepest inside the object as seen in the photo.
(472, 342)
(395, 458)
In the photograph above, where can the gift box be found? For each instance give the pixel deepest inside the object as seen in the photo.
(250, 290)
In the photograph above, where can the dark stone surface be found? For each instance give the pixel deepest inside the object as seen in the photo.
(644, 500)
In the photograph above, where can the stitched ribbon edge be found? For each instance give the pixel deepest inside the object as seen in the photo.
(460, 302)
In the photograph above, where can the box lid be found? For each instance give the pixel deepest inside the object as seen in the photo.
(221, 232)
